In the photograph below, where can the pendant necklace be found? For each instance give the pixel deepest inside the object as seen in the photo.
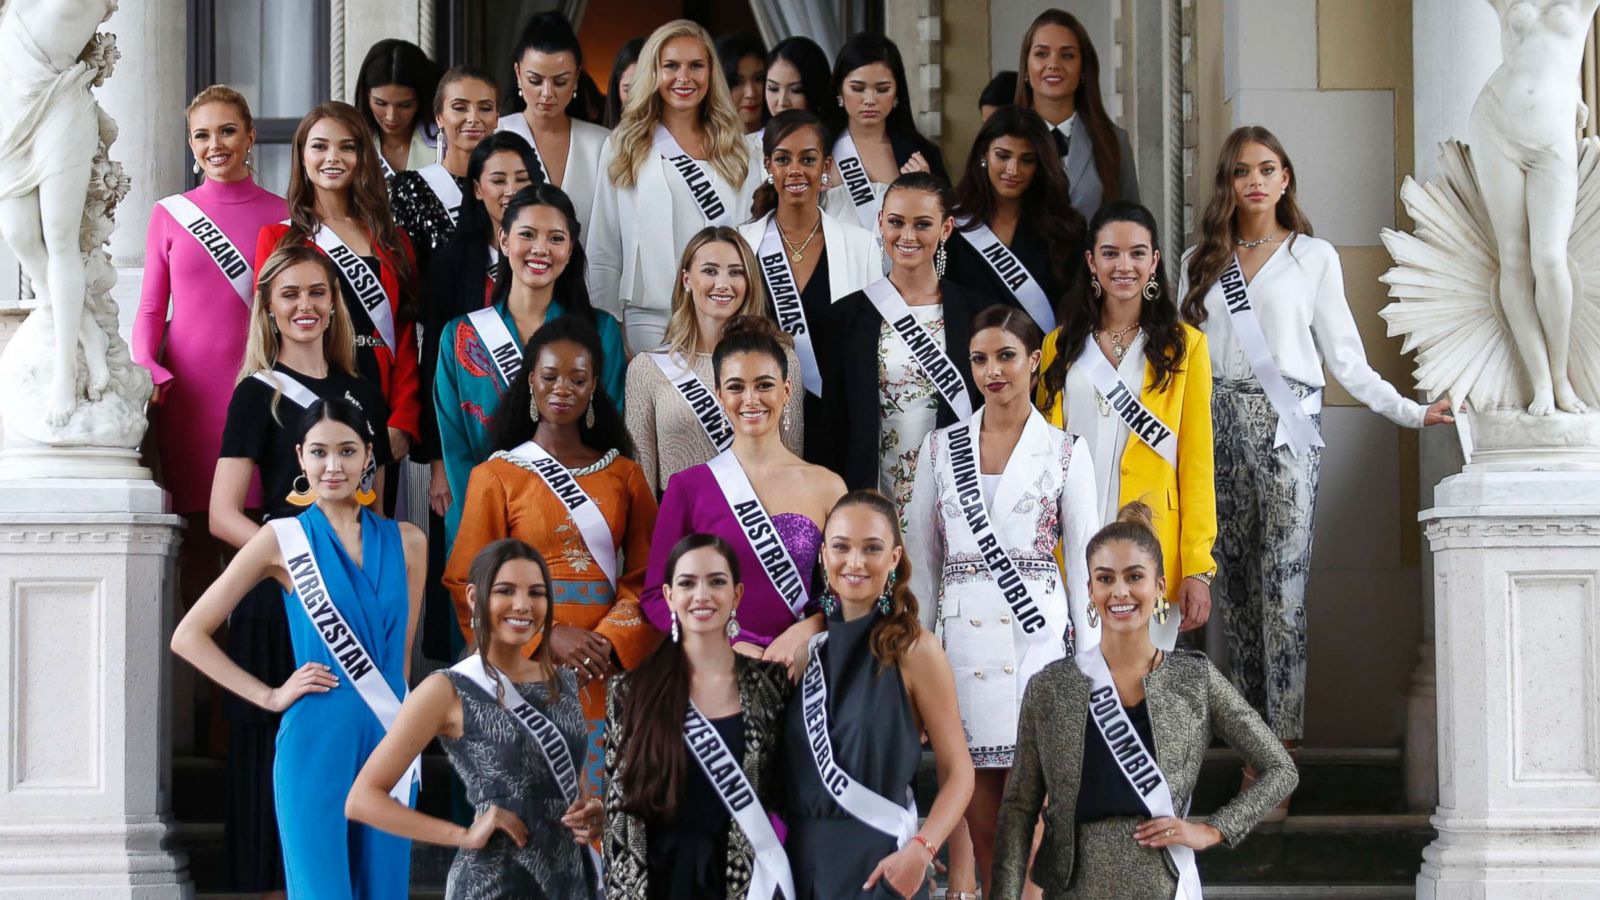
(1118, 350)
(1251, 245)
(796, 254)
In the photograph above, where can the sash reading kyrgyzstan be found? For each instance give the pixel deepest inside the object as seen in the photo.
(786, 303)
(580, 506)
(503, 349)
(771, 870)
(362, 280)
(1010, 270)
(1295, 427)
(700, 185)
(759, 531)
(702, 402)
(1138, 417)
(229, 259)
(935, 363)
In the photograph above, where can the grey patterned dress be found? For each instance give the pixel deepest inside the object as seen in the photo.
(502, 765)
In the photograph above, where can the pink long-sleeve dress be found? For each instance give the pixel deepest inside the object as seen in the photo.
(197, 354)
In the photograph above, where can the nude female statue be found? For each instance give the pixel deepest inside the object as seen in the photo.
(1525, 154)
(48, 138)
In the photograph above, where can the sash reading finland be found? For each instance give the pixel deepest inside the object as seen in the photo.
(705, 193)
(1295, 427)
(771, 871)
(699, 397)
(871, 809)
(1136, 762)
(1138, 417)
(580, 506)
(498, 339)
(932, 359)
(230, 261)
(759, 532)
(340, 639)
(287, 386)
(1011, 272)
(856, 181)
(786, 303)
(443, 185)
(363, 282)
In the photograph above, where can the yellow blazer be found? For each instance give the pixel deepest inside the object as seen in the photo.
(1184, 500)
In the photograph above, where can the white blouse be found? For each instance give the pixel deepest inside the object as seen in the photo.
(1106, 435)
(581, 173)
(1299, 298)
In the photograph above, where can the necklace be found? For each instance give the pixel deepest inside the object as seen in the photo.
(1251, 245)
(796, 254)
(1119, 350)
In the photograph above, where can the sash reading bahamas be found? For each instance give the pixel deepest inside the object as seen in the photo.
(969, 495)
(786, 303)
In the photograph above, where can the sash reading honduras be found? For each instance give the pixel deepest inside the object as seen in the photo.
(443, 185)
(935, 363)
(1138, 417)
(759, 531)
(1135, 760)
(786, 303)
(856, 181)
(340, 640)
(580, 506)
(363, 281)
(771, 870)
(230, 261)
(543, 731)
(287, 386)
(1016, 277)
(699, 397)
(873, 810)
(705, 193)
(1295, 427)
(969, 496)
(497, 338)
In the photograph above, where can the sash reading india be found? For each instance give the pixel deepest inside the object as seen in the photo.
(497, 338)
(759, 531)
(580, 506)
(786, 303)
(866, 201)
(932, 359)
(700, 186)
(230, 261)
(362, 280)
(1138, 417)
(1295, 427)
(771, 871)
(339, 638)
(699, 397)
(969, 496)
(1011, 272)
(443, 185)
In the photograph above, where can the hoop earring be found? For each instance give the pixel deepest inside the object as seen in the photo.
(939, 261)
(1151, 290)
(365, 495)
(1094, 287)
(301, 496)
(1093, 615)
(732, 628)
(588, 417)
(533, 410)
(886, 599)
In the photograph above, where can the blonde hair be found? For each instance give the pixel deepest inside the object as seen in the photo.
(221, 93)
(634, 136)
(683, 327)
(263, 343)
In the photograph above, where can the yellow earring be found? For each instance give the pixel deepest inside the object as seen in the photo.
(301, 496)
(365, 495)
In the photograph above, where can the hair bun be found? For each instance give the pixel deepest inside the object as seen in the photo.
(755, 327)
(1137, 512)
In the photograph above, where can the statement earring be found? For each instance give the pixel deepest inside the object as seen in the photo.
(674, 616)
(886, 599)
(365, 495)
(1161, 611)
(196, 167)
(1094, 616)
(824, 179)
(840, 99)
(826, 598)
(250, 160)
(588, 416)
(1151, 290)
(1094, 287)
(533, 410)
(301, 496)
(732, 629)
(939, 261)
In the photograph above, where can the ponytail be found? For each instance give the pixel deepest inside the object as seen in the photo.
(894, 632)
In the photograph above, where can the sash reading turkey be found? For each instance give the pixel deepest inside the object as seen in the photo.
(856, 181)
(700, 186)
(287, 386)
(503, 349)
(363, 282)
(786, 303)
(759, 532)
(702, 402)
(1011, 272)
(771, 870)
(339, 638)
(1138, 417)
(444, 187)
(969, 496)
(230, 260)
(1295, 427)
(580, 506)
(932, 359)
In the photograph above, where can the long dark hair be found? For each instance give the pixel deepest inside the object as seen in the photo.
(1164, 347)
(547, 32)
(1086, 101)
(654, 760)
(864, 49)
(393, 61)
(734, 47)
(894, 633)
(1047, 203)
(626, 56)
(812, 63)
(571, 287)
(473, 227)
(778, 129)
(481, 576)
(512, 422)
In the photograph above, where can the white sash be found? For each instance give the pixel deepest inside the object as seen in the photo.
(340, 640)
(759, 532)
(443, 185)
(699, 397)
(288, 387)
(502, 344)
(1011, 272)
(552, 745)
(871, 809)
(363, 281)
(494, 262)
(580, 506)
(935, 363)
(230, 261)
(700, 185)
(1135, 761)
(771, 870)
(786, 303)
(1295, 427)
(856, 181)
(383, 163)
(1138, 417)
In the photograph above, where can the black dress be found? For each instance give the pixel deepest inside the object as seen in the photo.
(815, 298)
(875, 740)
(688, 856)
(258, 630)
(418, 210)
(966, 267)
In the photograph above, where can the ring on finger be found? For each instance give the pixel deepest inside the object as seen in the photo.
(1171, 832)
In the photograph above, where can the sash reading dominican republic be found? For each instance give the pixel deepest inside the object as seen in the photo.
(362, 280)
(288, 387)
(701, 400)
(229, 259)
(786, 303)
(1138, 417)
(700, 185)
(502, 345)
(771, 871)
(1294, 421)
(935, 363)
(580, 506)
(759, 531)
(443, 185)
(1011, 272)
(339, 638)
(871, 809)
(1136, 761)
(854, 173)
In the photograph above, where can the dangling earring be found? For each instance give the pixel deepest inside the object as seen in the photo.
(1094, 616)
(840, 99)
(939, 260)
(983, 164)
(365, 495)
(250, 159)
(1161, 611)
(533, 410)
(732, 629)
(767, 177)
(785, 419)
(301, 496)
(674, 616)
(895, 104)
(588, 416)
(886, 599)
(1094, 287)
(1151, 290)
(196, 167)
(826, 598)
(824, 179)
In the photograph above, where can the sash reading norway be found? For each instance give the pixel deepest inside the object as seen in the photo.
(771, 871)
(1138, 417)
(1011, 272)
(1295, 427)
(362, 280)
(932, 359)
(759, 531)
(700, 186)
(230, 261)
(580, 506)
(786, 303)
(701, 401)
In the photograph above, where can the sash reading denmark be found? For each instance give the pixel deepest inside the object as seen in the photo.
(1138, 417)
(502, 345)
(866, 201)
(1135, 760)
(1011, 272)
(340, 640)
(287, 386)
(580, 506)
(871, 809)
(363, 281)
(699, 397)
(969, 495)
(771, 870)
(759, 531)
(230, 261)
(705, 193)
(786, 303)
(935, 363)
(1294, 422)
(443, 185)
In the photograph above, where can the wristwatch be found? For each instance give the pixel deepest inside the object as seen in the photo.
(1203, 577)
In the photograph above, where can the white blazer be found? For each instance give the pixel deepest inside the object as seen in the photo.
(853, 258)
(582, 171)
(637, 234)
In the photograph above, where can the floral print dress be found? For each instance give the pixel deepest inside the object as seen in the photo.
(910, 405)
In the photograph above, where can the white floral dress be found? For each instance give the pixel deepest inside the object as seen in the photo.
(910, 405)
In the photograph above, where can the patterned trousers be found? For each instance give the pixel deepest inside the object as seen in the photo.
(1266, 503)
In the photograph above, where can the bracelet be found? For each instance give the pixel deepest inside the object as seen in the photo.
(1202, 577)
(932, 850)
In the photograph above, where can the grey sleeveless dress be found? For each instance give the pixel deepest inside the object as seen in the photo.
(502, 765)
